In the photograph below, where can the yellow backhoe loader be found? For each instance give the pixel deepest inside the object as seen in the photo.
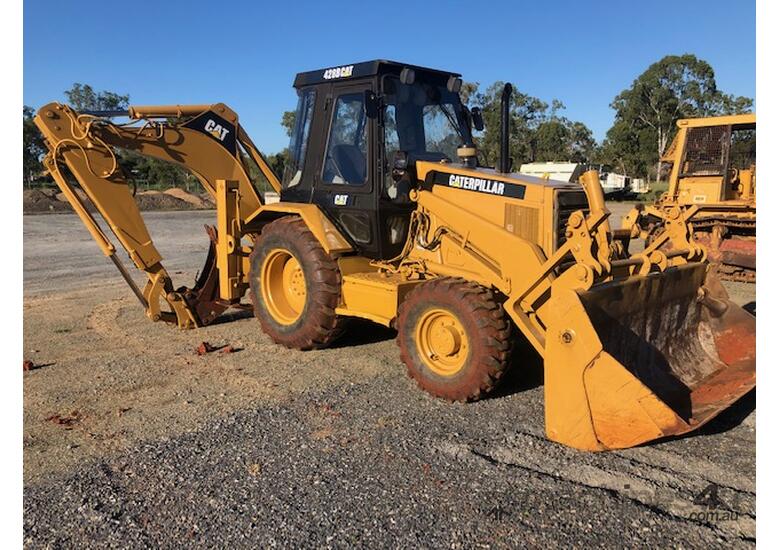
(385, 215)
(713, 168)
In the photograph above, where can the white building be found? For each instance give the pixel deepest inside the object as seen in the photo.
(558, 171)
(613, 184)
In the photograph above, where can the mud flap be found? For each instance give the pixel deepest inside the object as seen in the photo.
(647, 357)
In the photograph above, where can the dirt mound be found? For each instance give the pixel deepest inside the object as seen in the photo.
(61, 196)
(50, 200)
(208, 200)
(181, 194)
(161, 201)
(40, 200)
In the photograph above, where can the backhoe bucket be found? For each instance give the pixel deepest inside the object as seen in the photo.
(643, 358)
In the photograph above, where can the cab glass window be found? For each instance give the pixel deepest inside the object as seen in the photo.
(296, 153)
(346, 154)
(424, 120)
(743, 148)
(706, 151)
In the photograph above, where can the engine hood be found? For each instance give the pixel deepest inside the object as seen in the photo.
(484, 180)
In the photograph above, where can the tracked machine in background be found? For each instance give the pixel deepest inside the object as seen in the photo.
(713, 170)
(385, 215)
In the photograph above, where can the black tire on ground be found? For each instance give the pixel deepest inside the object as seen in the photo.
(484, 324)
(317, 325)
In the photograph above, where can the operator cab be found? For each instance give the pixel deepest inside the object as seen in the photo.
(350, 124)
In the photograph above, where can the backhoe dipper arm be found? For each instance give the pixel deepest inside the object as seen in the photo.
(206, 144)
(184, 144)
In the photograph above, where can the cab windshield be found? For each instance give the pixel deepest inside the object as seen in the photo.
(424, 120)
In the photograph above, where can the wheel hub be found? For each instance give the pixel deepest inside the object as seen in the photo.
(294, 283)
(445, 340)
(442, 342)
(283, 286)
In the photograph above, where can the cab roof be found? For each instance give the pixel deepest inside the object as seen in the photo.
(746, 119)
(377, 67)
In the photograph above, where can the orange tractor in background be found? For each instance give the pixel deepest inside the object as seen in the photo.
(714, 169)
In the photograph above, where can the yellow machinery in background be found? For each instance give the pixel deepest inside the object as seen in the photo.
(713, 168)
(385, 215)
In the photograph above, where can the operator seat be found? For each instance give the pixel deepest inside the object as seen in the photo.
(351, 163)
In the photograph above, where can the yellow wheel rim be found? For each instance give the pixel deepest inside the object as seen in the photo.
(442, 342)
(283, 286)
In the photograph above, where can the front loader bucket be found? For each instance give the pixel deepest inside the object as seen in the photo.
(643, 358)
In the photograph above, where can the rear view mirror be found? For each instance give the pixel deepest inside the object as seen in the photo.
(476, 119)
(371, 104)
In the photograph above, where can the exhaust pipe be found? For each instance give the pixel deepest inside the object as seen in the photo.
(504, 162)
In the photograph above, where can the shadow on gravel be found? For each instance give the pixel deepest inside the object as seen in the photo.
(359, 332)
(526, 371)
(233, 315)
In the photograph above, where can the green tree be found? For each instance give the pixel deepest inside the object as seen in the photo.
(33, 147)
(525, 114)
(581, 146)
(550, 139)
(537, 131)
(83, 97)
(467, 91)
(288, 121)
(279, 161)
(144, 171)
(646, 113)
(559, 139)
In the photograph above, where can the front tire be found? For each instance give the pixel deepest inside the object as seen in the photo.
(454, 338)
(295, 286)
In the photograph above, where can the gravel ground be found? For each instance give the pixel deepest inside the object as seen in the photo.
(132, 440)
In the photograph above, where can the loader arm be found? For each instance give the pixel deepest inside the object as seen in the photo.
(526, 276)
(204, 139)
(635, 347)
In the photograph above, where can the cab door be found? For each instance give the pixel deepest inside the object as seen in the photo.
(346, 180)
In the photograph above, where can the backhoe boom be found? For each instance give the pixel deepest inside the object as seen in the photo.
(204, 139)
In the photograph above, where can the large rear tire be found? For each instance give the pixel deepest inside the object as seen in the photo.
(454, 338)
(294, 286)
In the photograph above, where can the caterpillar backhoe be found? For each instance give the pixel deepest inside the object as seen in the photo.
(713, 168)
(386, 215)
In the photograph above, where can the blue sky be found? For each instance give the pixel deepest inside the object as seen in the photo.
(246, 54)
